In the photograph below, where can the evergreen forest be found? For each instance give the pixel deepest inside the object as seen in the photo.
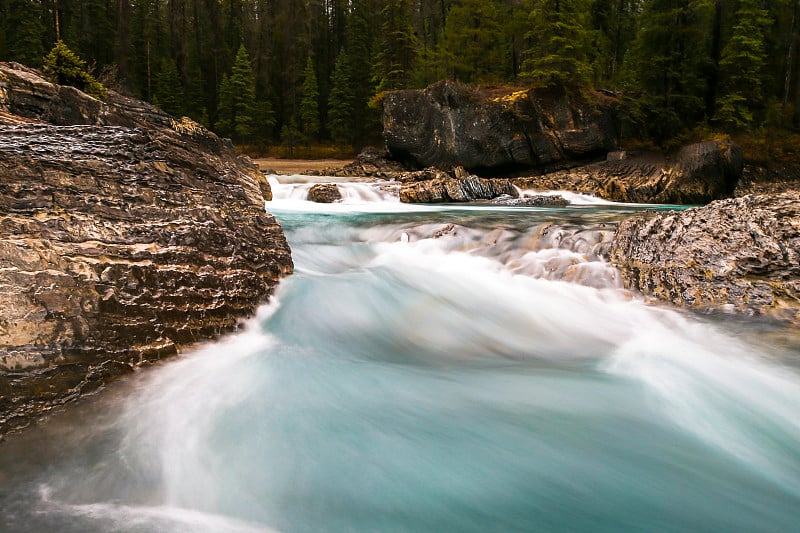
(268, 72)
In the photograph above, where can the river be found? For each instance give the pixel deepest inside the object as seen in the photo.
(435, 368)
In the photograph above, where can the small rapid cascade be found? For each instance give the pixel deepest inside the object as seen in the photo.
(548, 251)
(569, 196)
(352, 192)
(444, 368)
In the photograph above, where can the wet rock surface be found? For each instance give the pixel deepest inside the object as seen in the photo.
(496, 132)
(324, 193)
(121, 241)
(537, 200)
(739, 255)
(444, 188)
(696, 174)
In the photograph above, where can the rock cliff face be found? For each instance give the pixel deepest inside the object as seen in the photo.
(740, 255)
(496, 132)
(124, 235)
(550, 132)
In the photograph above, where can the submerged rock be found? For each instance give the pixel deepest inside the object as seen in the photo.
(121, 241)
(324, 193)
(740, 255)
(496, 131)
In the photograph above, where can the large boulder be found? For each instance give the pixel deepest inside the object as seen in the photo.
(119, 244)
(497, 131)
(739, 255)
(696, 174)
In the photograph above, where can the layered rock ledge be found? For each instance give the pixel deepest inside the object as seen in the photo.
(124, 236)
(696, 174)
(738, 255)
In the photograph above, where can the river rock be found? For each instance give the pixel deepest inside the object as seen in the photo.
(125, 235)
(495, 131)
(740, 255)
(444, 188)
(696, 174)
(324, 193)
(537, 200)
(370, 163)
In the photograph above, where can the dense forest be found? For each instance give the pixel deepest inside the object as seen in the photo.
(306, 71)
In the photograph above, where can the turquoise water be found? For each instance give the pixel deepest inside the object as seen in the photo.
(435, 369)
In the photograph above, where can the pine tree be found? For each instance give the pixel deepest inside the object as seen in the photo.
(4, 29)
(472, 49)
(340, 102)
(237, 100)
(62, 66)
(614, 25)
(93, 31)
(670, 58)
(226, 109)
(395, 60)
(168, 89)
(360, 39)
(742, 67)
(24, 30)
(559, 37)
(309, 104)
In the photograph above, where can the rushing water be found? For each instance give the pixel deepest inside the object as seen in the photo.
(435, 368)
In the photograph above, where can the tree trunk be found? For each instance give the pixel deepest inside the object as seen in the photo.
(789, 62)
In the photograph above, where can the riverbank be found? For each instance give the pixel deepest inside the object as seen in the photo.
(297, 166)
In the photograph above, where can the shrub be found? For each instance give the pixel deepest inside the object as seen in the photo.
(64, 67)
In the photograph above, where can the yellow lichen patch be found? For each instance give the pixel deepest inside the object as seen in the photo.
(511, 98)
(187, 126)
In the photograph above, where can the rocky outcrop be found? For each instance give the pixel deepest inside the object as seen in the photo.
(553, 132)
(443, 188)
(370, 163)
(120, 241)
(492, 132)
(739, 255)
(537, 200)
(696, 174)
(324, 193)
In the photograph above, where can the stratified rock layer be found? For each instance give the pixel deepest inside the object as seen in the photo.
(739, 255)
(696, 174)
(490, 133)
(436, 186)
(118, 243)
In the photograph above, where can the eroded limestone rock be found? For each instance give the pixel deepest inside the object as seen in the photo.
(697, 174)
(121, 241)
(739, 255)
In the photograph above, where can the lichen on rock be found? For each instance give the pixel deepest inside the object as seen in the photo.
(738, 255)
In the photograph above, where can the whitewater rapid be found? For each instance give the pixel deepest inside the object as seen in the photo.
(435, 368)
